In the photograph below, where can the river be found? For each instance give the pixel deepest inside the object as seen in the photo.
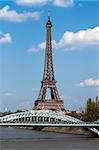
(25, 139)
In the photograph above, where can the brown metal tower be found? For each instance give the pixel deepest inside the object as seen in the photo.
(55, 103)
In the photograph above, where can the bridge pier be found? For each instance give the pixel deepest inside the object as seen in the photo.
(92, 132)
(37, 119)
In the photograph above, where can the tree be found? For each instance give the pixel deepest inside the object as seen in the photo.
(92, 110)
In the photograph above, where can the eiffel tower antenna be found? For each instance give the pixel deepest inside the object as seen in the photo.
(48, 15)
(48, 82)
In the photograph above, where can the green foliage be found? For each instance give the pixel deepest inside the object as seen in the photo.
(92, 110)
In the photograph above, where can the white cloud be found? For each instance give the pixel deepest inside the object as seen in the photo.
(64, 3)
(32, 2)
(89, 82)
(8, 94)
(32, 49)
(58, 3)
(43, 45)
(5, 38)
(75, 41)
(71, 41)
(11, 15)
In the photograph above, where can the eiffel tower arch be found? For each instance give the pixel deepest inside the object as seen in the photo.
(48, 82)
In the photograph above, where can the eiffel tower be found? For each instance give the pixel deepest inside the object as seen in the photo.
(48, 82)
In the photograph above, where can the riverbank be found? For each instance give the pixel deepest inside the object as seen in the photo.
(67, 130)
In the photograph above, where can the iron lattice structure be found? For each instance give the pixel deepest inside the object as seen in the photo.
(55, 103)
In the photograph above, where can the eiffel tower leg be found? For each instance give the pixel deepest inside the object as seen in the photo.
(54, 94)
(42, 93)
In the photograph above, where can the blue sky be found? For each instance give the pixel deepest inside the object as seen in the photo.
(75, 35)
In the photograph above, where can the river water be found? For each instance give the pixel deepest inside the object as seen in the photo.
(25, 139)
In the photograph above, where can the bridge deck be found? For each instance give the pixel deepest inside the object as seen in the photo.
(52, 125)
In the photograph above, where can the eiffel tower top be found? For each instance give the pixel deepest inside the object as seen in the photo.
(49, 23)
(48, 68)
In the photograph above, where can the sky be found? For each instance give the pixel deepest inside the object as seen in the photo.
(75, 38)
